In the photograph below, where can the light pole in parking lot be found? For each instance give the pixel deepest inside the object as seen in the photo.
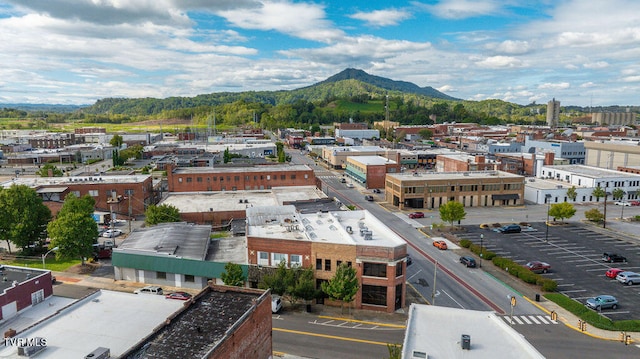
(481, 239)
(547, 198)
(45, 255)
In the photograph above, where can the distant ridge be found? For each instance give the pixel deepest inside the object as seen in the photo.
(387, 84)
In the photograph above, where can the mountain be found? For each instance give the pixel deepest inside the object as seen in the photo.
(387, 84)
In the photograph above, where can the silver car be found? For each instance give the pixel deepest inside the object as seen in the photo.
(602, 302)
(628, 278)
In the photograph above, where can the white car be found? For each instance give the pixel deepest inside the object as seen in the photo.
(110, 233)
(622, 203)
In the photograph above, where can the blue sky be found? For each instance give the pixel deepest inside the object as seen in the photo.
(581, 52)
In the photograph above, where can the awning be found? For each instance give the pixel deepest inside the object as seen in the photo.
(502, 197)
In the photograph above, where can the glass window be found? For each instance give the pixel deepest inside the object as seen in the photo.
(327, 264)
(277, 258)
(373, 294)
(93, 193)
(189, 278)
(318, 264)
(296, 260)
(374, 269)
(161, 275)
(263, 258)
(398, 269)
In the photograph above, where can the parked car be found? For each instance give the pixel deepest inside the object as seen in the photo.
(538, 267)
(150, 289)
(613, 272)
(510, 228)
(343, 180)
(622, 203)
(635, 203)
(470, 262)
(628, 278)
(376, 190)
(613, 258)
(110, 233)
(440, 244)
(349, 185)
(409, 260)
(276, 304)
(602, 302)
(178, 295)
(369, 198)
(416, 215)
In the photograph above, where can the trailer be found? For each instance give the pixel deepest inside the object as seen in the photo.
(102, 217)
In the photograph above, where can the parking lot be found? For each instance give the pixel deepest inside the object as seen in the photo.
(574, 252)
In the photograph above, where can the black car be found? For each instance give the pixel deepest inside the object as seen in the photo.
(368, 197)
(375, 190)
(468, 261)
(511, 228)
(409, 260)
(613, 258)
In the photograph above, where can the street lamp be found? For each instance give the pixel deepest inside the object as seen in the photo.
(481, 239)
(604, 220)
(624, 201)
(45, 255)
(547, 198)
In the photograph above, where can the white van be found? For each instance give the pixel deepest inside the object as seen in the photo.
(151, 289)
(276, 304)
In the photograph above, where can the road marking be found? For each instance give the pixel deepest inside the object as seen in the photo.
(331, 337)
(529, 320)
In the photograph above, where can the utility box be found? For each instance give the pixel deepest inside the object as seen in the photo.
(99, 353)
(465, 341)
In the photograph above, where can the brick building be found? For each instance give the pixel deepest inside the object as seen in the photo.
(323, 241)
(370, 171)
(22, 288)
(475, 188)
(124, 195)
(200, 179)
(461, 162)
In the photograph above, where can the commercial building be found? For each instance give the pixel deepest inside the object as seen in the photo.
(463, 162)
(370, 171)
(324, 241)
(200, 179)
(433, 189)
(612, 154)
(336, 157)
(614, 118)
(22, 288)
(553, 113)
(442, 332)
(177, 255)
(573, 151)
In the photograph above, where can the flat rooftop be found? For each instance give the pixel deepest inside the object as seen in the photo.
(178, 239)
(547, 184)
(340, 227)
(109, 319)
(593, 172)
(436, 331)
(11, 274)
(409, 176)
(190, 202)
(373, 160)
(359, 148)
(243, 169)
(59, 181)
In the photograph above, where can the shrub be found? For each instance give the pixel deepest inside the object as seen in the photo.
(549, 285)
(528, 277)
(594, 215)
(465, 243)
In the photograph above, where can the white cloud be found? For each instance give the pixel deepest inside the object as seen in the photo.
(554, 86)
(382, 17)
(511, 47)
(597, 65)
(461, 9)
(495, 62)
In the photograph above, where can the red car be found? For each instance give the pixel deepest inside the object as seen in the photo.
(416, 215)
(178, 295)
(635, 203)
(538, 267)
(613, 272)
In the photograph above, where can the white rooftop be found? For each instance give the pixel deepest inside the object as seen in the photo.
(593, 172)
(109, 319)
(59, 181)
(437, 331)
(406, 176)
(189, 202)
(341, 227)
(372, 160)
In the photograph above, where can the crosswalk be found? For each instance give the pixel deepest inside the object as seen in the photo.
(328, 177)
(528, 319)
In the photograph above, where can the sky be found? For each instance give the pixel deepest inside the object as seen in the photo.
(580, 52)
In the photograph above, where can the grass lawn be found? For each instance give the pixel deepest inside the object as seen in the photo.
(36, 262)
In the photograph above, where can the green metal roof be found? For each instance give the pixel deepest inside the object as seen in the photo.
(172, 265)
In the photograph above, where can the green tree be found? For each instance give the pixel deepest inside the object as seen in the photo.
(452, 211)
(116, 141)
(618, 194)
(233, 275)
(572, 193)
(279, 280)
(395, 351)
(161, 214)
(426, 134)
(304, 286)
(134, 151)
(594, 215)
(343, 286)
(49, 170)
(562, 210)
(598, 192)
(226, 156)
(74, 231)
(23, 217)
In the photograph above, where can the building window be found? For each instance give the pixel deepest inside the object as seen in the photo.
(373, 294)
(179, 179)
(283, 177)
(236, 178)
(327, 264)
(263, 258)
(293, 177)
(189, 179)
(93, 193)
(188, 278)
(306, 176)
(296, 260)
(398, 269)
(375, 269)
(268, 177)
(161, 275)
(338, 263)
(76, 193)
(277, 258)
(199, 179)
(349, 264)
(318, 264)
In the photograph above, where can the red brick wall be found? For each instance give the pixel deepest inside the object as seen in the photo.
(215, 218)
(376, 176)
(223, 180)
(272, 245)
(21, 294)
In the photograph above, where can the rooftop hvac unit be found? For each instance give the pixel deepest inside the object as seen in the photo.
(99, 353)
(368, 235)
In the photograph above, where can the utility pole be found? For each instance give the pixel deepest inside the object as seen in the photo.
(433, 291)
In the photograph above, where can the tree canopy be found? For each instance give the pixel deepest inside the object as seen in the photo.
(74, 231)
(343, 286)
(233, 275)
(161, 214)
(452, 211)
(23, 217)
(562, 211)
(49, 170)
